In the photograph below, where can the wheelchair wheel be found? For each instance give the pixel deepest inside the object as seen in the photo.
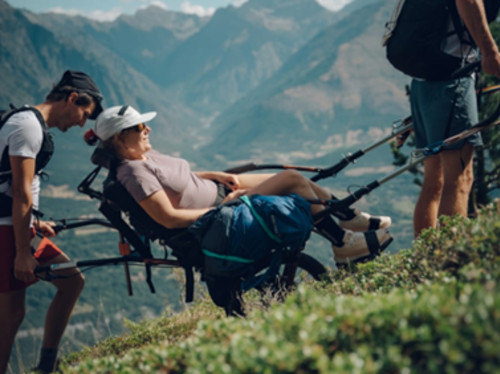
(302, 267)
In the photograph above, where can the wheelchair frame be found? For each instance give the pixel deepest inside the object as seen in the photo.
(142, 250)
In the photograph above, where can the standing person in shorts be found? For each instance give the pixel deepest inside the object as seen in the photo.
(25, 145)
(441, 109)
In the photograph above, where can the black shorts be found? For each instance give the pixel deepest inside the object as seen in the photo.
(222, 192)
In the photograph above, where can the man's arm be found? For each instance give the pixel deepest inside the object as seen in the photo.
(474, 16)
(23, 171)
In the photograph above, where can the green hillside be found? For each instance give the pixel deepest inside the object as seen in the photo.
(434, 308)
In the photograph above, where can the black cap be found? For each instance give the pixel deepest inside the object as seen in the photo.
(81, 82)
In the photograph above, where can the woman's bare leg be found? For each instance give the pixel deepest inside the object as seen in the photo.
(287, 182)
(248, 181)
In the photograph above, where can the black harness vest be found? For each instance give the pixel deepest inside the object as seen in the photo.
(42, 157)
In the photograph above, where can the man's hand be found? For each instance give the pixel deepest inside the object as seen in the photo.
(24, 267)
(473, 14)
(491, 64)
(46, 228)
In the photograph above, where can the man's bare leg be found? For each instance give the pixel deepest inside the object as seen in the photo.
(60, 309)
(458, 179)
(427, 207)
(11, 316)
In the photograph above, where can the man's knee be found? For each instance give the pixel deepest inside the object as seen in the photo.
(78, 283)
(71, 284)
(13, 312)
(432, 188)
(17, 316)
(433, 181)
(458, 169)
(465, 181)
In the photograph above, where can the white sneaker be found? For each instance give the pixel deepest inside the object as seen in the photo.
(364, 222)
(361, 246)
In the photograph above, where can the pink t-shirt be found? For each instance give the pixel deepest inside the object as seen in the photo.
(186, 190)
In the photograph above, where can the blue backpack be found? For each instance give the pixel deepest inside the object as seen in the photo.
(235, 236)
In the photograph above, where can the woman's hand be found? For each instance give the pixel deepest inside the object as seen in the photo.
(234, 195)
(231, 181)
(45, 227)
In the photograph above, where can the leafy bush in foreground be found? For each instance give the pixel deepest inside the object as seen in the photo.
(432, 309)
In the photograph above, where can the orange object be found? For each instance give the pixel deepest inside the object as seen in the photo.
(124, 248)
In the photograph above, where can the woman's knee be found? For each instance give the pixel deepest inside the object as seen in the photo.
(293, 178)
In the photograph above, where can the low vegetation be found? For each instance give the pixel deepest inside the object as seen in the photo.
(434, 308)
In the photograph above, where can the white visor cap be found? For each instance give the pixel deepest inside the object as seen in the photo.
(118, 118)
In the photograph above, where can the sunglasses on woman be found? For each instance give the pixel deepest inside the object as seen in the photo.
(139, 128)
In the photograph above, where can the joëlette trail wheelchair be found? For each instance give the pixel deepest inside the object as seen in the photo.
(137, 231)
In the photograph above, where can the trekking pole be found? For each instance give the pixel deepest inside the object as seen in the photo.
(398, 127)
(417, 157)
(339, 205)
(253, 166)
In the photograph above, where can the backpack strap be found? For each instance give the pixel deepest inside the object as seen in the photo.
(275, 262)
(46, 150)
(259, 219)
(459, 28)
(42, 158)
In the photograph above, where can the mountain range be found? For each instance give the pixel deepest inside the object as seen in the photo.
(224, 82)
(270, 81)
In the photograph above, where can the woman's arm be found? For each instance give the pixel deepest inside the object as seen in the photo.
(159, 208)
(230, 180)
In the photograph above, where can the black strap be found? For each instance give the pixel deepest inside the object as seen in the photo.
(6, 207)
(372, 242)
(46, 150)
(188, 270)
(458, 25)
(374, 223)
(122, 110)
(42, 158)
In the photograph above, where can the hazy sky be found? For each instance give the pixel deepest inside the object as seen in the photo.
(107, 10)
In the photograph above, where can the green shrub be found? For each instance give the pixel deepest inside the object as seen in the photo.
(434, 308)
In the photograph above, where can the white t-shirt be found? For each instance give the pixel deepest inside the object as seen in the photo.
(23, 135)
(453, 45)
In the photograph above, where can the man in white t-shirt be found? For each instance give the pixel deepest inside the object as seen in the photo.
(25, 145)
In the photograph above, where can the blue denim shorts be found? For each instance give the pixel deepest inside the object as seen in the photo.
(441, 109)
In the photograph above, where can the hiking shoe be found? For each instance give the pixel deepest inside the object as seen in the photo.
(364, 222)
(361, 246)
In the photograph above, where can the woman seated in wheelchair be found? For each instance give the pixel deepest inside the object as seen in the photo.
(174, 196)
